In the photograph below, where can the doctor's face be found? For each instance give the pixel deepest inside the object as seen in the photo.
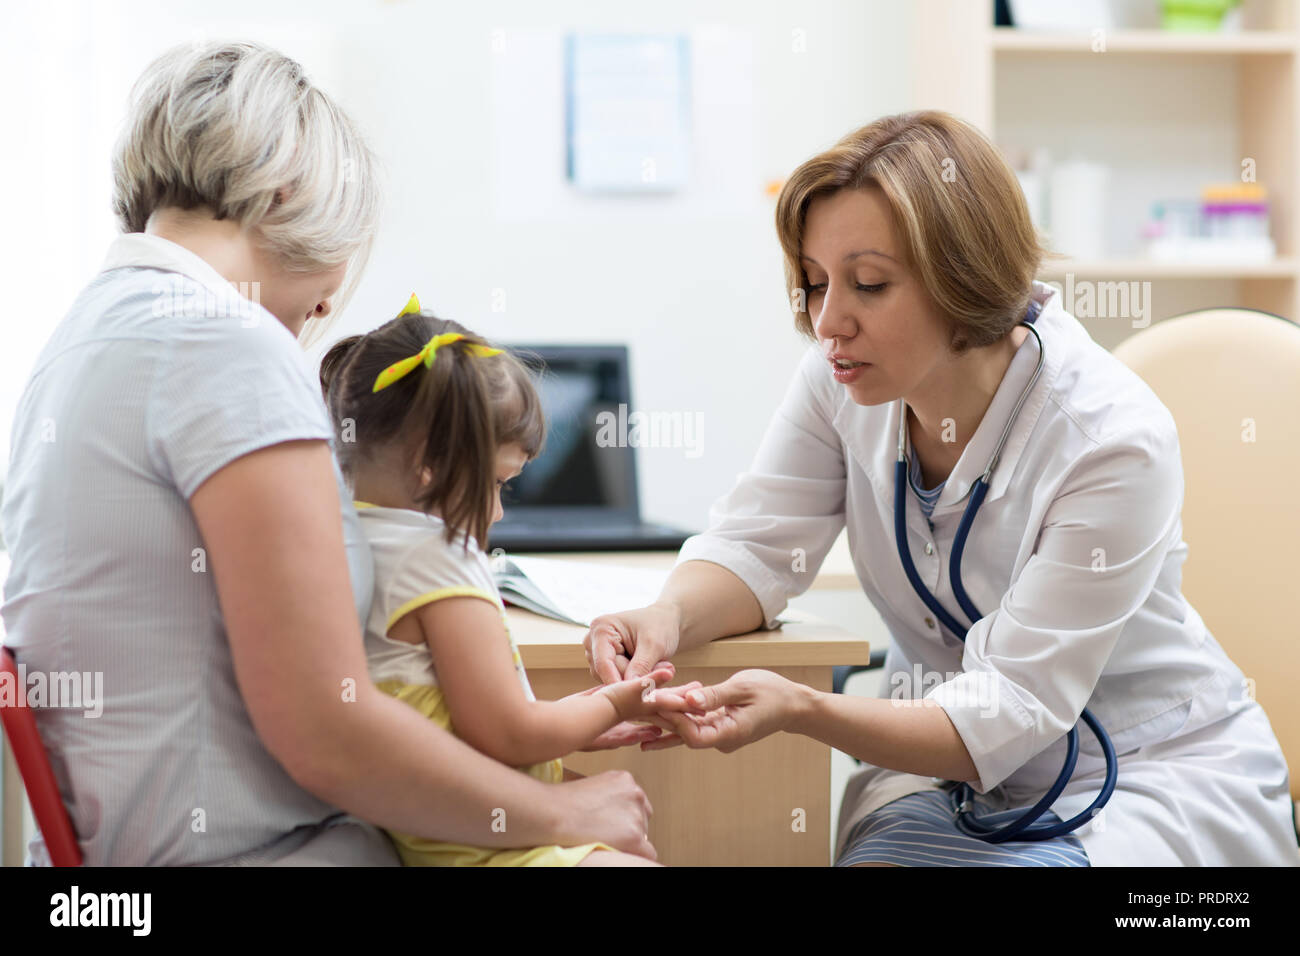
(868, 310)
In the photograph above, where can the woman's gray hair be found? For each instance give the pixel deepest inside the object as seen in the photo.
(240, 129)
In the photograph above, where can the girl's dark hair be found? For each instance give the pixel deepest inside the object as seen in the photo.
(450, 417)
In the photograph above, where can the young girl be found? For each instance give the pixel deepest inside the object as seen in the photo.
(431, 424)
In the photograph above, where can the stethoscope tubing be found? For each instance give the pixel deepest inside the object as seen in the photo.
(1021, 828)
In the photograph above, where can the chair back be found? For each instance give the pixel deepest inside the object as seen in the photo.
(1231, 379)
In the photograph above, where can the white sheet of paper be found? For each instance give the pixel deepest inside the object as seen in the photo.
(585, 590)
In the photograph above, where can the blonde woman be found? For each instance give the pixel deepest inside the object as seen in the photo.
(177, 524)
(910, 260)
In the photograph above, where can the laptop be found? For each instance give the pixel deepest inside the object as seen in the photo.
(580, 494)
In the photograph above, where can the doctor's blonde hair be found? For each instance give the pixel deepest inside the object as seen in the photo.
(240, 129)
(959, 213)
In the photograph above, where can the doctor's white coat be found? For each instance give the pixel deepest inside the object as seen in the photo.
(1074, 559)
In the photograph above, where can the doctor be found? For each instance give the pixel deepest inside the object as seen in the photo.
(910, 259)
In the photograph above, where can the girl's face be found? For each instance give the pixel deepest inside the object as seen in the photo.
(866, 305)
(510, 462)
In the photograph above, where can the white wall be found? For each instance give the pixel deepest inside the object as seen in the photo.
(692, 284)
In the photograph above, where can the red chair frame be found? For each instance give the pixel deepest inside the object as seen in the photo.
(34, 766)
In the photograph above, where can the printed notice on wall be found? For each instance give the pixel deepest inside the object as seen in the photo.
(627, 111)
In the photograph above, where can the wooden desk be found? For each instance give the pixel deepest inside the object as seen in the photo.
(767, 804)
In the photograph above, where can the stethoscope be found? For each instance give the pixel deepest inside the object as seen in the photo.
(966, 821)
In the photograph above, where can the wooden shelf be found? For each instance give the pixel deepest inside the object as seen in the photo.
(1231, 95)
(1270, 42)
(1156, 269)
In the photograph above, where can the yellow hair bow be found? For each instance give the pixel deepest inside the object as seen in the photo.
(426, 355)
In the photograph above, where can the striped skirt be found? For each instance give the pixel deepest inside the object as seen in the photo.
(920, 829)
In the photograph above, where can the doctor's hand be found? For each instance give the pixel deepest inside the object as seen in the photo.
(631, 644)
(746, 707)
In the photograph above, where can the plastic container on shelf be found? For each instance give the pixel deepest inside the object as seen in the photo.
(1236, 220)
(1195, 16)
(1229, 224)
(1235, 210)
(1076, 207)
(1032, 168)
(1052, 15)
(1179, 218)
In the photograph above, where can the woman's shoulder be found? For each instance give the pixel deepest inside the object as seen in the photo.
(131, 316)
(190, 336)
(1103, 399)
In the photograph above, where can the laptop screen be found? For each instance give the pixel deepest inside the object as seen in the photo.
(583, 465)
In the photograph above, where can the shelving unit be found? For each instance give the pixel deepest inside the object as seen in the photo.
(1135, 268)
(1013, 40)
(1168, 112)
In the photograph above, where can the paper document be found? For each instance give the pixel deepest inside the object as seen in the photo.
(576, 591)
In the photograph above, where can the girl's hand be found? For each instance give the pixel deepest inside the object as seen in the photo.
(633, 732)
(746, 707)
(662, 671)
(643, 699)
(628, 644)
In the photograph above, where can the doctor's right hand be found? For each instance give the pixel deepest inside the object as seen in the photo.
(630, 644)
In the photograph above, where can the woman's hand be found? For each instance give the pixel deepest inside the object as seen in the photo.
(607, 808)
(746, 707)
(631, 644)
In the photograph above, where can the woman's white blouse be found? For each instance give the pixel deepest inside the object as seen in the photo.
(1075, 561)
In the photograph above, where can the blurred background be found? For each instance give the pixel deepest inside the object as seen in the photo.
(464, 103)
(1154, 139)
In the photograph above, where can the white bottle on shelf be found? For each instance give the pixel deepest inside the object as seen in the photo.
(1077, 208)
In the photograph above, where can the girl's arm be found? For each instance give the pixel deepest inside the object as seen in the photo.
(270, 523)
(489, 709)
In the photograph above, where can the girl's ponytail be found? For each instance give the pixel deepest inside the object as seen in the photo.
(458, 439)
(440, 423)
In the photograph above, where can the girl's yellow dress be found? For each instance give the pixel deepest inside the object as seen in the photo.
(414, 566)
